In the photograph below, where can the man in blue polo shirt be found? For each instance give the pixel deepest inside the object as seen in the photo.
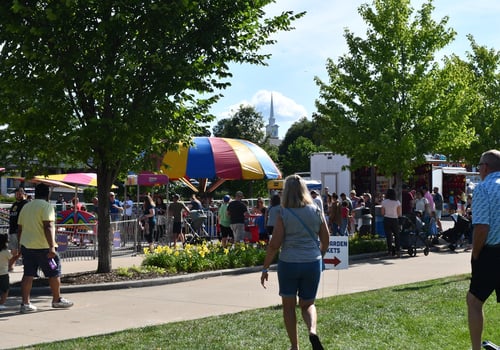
(485, 243)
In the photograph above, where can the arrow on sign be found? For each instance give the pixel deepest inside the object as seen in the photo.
(335, 261)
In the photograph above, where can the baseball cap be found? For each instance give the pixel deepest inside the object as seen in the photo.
(227, 198)
(239, 194)
(111, 193)
(314, 192)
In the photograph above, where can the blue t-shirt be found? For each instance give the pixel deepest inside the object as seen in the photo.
(486, 206)
(298, 246)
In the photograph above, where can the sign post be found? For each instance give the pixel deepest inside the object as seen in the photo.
(337, 255)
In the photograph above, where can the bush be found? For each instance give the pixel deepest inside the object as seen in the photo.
(366, 244)
(206, 257)
(213, 256)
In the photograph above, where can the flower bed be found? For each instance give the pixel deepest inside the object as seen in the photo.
(205, 257)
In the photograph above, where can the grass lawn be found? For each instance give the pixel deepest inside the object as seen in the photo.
(426, 315)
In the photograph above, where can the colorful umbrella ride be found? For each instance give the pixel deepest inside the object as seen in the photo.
(219, 158)
(75, 217)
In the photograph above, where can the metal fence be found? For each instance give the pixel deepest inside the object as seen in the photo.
(79, 241)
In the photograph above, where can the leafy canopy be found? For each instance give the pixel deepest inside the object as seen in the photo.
(245, 123)
(387, 102)
(105, 83)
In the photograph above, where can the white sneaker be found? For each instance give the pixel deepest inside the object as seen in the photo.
(27, 308)
(62, 304)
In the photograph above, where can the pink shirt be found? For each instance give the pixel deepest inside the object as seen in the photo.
(430, 199)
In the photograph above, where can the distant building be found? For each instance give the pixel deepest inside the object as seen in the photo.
(272, 127)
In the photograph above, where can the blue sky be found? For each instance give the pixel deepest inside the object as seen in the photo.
(301, 54)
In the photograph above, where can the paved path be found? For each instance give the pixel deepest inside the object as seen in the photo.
(100, 312)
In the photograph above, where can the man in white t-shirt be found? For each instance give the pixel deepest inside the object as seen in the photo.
(128, 220)
(317, 199)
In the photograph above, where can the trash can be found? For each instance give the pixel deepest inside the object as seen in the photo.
(379, 221)
(252, 227)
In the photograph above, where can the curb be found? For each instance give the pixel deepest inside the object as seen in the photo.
(16, 291)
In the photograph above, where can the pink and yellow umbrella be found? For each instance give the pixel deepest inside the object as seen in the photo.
(79, 179)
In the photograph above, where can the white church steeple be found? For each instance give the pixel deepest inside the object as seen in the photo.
(272, 127)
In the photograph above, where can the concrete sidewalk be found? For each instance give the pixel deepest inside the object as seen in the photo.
(100, 312)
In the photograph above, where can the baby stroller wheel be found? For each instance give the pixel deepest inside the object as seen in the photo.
(426, 251)
(410, 251)
(414, 251)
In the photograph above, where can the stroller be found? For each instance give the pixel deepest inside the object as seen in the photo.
(460, 231)
(413, 234)
(195, 227)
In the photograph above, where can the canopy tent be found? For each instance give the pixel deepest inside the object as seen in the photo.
(145, 179)
(218, 159)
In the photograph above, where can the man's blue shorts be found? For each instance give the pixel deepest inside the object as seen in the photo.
(37, 258)
(300, 279)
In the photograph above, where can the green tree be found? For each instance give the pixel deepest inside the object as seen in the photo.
(384, 103)
(297, 156)
(301, 128)
(106, 83)
(485, 67)
(246, 123)
(291, 157)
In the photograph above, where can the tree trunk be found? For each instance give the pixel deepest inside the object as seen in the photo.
(104, 183)
(373, 189)
(398, 186)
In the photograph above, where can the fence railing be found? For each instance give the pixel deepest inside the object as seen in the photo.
(79, 241)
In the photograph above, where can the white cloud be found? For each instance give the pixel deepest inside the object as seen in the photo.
(300, 55)
(286, 110)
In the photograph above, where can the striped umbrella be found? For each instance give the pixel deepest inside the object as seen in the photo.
(219, 158)
(80, 179)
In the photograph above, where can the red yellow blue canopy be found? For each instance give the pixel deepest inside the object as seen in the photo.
(220, 158)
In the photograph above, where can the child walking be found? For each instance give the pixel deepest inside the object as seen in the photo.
(5, 259)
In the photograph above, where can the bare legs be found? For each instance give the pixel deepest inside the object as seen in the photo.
(309, 315)
(27, 282)
(476, 319)
(290, 321)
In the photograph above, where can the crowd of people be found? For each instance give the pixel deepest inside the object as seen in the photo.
(297, 224)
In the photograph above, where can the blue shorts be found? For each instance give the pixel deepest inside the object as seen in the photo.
(37, 258)
(300, 279)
